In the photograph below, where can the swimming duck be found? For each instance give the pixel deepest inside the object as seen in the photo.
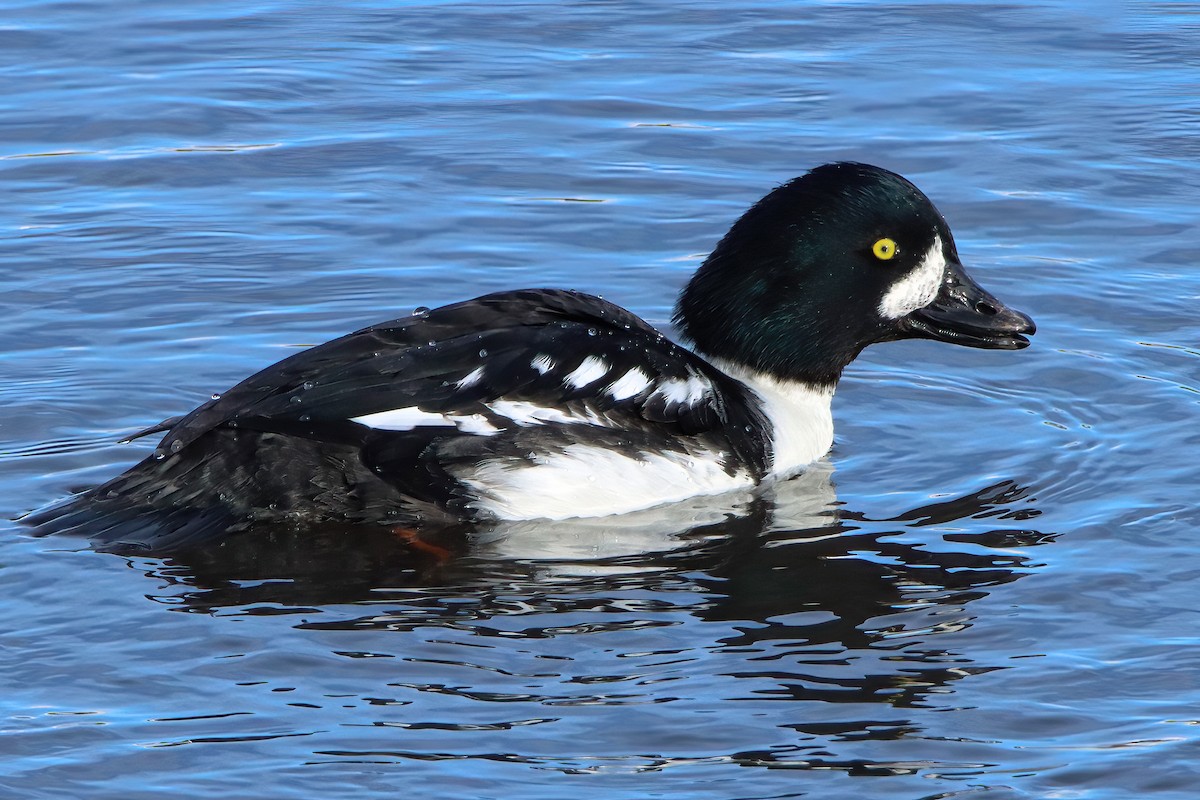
(554, 404)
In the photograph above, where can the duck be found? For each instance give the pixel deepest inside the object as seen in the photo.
(552, 404)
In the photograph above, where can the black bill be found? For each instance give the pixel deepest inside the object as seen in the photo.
(966, 313)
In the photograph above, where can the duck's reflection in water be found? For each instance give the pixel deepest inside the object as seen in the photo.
(790, 550)
(332, 564)
(806, 599)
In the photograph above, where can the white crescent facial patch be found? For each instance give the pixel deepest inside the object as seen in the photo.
(918, 288)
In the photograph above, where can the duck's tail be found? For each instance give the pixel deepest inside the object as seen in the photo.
(219, 484)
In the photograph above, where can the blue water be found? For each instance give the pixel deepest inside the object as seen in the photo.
(990, 591)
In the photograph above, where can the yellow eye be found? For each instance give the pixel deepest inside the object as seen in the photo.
(884, 249)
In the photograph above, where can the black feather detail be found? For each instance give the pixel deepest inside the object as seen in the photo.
(418, 360)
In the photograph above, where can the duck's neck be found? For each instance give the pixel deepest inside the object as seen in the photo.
(799, 412)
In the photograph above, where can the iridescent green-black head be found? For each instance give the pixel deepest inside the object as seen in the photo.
(837, 259)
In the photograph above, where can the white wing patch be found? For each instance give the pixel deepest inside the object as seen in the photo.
(687, 392)
(629, 385)
(587, 481)
(918, 288)
(592, 369)
(542, 363)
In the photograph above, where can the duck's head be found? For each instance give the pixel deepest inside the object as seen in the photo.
(840, 258)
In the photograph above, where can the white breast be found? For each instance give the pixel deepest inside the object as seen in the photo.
(800, 414)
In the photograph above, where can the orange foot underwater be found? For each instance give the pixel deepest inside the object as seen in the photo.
(412, 538)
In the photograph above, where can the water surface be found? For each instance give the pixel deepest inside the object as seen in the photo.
(989, 591)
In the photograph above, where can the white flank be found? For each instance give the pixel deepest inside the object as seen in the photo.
(587, 481)
(542, 363)
(800, 414)
(628, 385)
(470, 379)
(590, 370)
(918, 288)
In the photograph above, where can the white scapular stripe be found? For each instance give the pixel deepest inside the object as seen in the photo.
(401, 419)
(410, 417)
(587, 481)
(470, 379)
(918, 288)
(520, 412)
(524, 413)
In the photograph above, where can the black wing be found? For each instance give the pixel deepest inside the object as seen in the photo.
(556, 349)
